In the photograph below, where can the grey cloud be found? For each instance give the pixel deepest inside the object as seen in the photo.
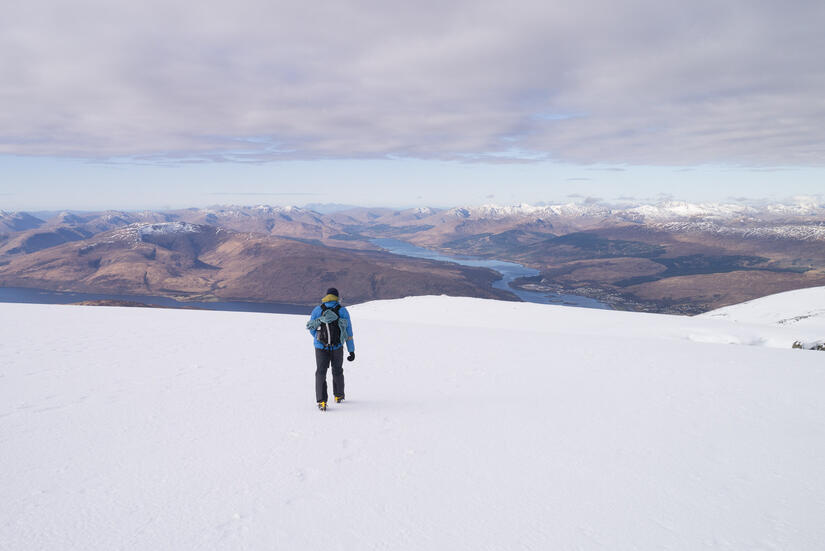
(260, 193)
(590, 81)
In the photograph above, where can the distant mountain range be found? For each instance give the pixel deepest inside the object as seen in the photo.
(669, 257)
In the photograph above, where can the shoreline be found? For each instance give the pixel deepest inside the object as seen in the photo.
(32, 295)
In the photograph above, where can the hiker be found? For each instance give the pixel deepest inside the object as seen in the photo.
(330, 327)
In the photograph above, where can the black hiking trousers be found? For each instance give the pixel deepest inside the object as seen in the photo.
(323, 359)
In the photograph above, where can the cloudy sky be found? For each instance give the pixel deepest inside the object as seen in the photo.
(173, 103)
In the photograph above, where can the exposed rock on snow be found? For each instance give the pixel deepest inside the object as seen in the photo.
(167, 228)
(815, 345)
(136, 232)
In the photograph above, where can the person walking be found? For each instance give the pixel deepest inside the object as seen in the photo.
(330, 327)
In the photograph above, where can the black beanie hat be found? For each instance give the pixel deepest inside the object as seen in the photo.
(332, 291)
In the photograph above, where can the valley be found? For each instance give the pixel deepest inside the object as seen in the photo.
(671, 257)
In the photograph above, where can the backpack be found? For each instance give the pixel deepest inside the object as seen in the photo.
(329, 334)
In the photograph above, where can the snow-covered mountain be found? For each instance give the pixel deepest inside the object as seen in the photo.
(666, 211)
(670, 210)
(469, 424)
(497, 212)
(800, 232)
(803, 220)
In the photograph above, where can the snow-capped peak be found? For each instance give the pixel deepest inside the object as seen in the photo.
(670, 210)
(523, 209)
(424, 211)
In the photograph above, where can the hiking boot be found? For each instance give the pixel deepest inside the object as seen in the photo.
(339, 399)
(322, 406)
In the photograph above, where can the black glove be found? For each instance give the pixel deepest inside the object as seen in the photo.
(351, 356)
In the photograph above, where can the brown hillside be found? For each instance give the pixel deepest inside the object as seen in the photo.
(207, 263)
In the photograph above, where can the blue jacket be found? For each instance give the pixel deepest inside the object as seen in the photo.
(316, 313)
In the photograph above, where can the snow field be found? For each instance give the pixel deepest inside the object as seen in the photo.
(799, 309)
(471, 424)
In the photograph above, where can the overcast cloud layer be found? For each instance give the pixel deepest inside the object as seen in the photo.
(648, 82)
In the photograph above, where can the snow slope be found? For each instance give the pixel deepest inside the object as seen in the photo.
(802, 308)
(470, 424)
